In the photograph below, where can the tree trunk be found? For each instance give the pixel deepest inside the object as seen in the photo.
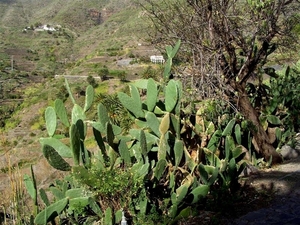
(262, 142)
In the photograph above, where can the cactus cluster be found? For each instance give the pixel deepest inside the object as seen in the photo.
(169, 161)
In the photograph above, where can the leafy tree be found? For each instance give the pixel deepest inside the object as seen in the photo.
(228, 42)
(103, 73)
(62, 93)
(122, 76)
(91, 80)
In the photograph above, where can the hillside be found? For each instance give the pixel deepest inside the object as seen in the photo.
(87, 30)
(88, 36)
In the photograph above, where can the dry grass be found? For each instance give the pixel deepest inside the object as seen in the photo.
(14, 197)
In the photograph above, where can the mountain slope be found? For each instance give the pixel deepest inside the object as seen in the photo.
(89, 29)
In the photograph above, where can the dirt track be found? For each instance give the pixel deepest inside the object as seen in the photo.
(284, 182)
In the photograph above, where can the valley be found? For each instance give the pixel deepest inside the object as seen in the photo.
(90, 36)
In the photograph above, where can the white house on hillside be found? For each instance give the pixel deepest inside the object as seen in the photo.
(45, 28)
(157, 59)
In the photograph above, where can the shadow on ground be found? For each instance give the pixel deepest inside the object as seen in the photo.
(270, 196)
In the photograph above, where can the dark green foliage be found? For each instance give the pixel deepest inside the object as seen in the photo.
(62, 93)
(103, 73)
(92, 81)
(285, 97)
(150, 72)
(116, 112)
(278, 103)
(122, 76)
(6, 112)
(156, 168)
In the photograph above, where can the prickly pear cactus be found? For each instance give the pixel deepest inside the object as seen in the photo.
(164, 156)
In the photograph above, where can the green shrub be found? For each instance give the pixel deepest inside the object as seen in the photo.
(285, 96)
(91, 80)
(150, 72)
(116, 111)
(103, 73)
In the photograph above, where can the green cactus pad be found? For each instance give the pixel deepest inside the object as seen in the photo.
(30, 186)
(108, 218)
(238, 134)
(160, 168)
(131, 104)
(54, 159)
(75, 143)
(199, 193)
(61, 112)
(89, 97)
(174, 51)
(178, 151)
(214, 141)
(44, 197)
(153, 123)
(124, 152)
(69, 91)
(51, 212)
(181, 193)
(228, 129)
(50, 117)
(171, 95)
(62, 149)
(102, 115)
(164, 124)
(77, 114)
(152, 93)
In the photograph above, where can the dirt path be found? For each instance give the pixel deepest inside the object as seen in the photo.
(271, 196)
(283, 179)
(284, 182)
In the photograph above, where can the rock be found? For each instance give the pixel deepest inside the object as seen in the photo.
(288, 152)
(249, 170)
(272, 134)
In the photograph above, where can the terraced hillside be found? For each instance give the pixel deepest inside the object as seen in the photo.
(86, 29)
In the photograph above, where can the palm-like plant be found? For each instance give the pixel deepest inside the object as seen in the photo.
(116, 111)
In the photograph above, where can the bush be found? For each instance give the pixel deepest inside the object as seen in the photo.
(122, 76)
(91, 80)
(103, 73)
(285, 96)
(150, 72)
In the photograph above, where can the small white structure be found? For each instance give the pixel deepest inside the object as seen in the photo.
(123, 222)
(45, 28)
(157, 59)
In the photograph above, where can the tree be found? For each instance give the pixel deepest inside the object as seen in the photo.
(103, 73)
(228, 42)
(91, 80)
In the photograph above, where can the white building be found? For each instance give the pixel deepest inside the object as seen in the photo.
(45, 28)
(157, 59)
